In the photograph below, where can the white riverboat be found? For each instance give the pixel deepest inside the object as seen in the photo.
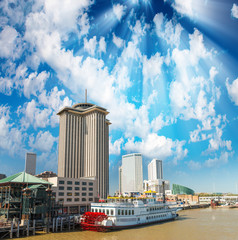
(127, 213)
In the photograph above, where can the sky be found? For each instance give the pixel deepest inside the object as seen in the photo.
(166, 70)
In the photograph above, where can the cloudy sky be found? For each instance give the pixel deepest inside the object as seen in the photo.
(166, 70)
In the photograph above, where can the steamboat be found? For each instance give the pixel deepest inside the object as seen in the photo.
(126, 213)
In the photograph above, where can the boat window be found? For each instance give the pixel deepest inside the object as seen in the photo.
(96, 210)
(119, 212)
(125, 212)
(132, 212)
(129, 212)
(112, 212)
(122, 212)
(107, 211)
(103, 210)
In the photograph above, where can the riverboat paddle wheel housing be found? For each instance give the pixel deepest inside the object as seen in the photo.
(92, 221)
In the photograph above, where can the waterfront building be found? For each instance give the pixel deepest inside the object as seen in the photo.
(30, 163)
(24, 196)
(179, 189)
(75, 195)
(2, 176)
(132, 173)
(156, 185)
(84, 144)
(155, 170)
(46, 174)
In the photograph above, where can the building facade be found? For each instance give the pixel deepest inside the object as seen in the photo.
(84, 144)
(132, 173)
(155, 170)
(120, 181)
(30, 163)
(156, 185)
(76, 195)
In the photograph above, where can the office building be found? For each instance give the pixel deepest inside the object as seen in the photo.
(120, 181)
(132, 174)
(155, 170)
(156, 185)
(30, 163)
(84, 144)
(76, 195)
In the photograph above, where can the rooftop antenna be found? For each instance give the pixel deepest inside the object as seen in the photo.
(85, 95)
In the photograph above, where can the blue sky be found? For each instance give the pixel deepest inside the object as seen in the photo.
(165, 70)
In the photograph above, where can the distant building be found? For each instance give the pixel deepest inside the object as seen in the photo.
(76, 195)
(2, 176)
(156, 185)
(84, 144)
(179, 189)
(30, 163)
(46, 174)
(155, 170)
(132, 173)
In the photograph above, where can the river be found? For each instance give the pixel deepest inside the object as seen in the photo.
(199, 224)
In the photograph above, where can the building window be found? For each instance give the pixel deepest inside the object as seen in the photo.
(76, 199)
(69, 188)
(61, 193)
(61, 182)
(69, 194)
(76, 194)
(90, 199)
(84, 199)
(69, 199)
(90, 184)
(61, 200)
(76, 188)
(84, 194)
(84, 183)
(61, 187)
(77, 183)
(84, 188)
(69, 182)
(90, 189)
(90, 194)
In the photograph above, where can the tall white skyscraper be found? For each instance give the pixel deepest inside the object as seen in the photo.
(30, 163)
(132, 174)
(155, 170)
(120, 180)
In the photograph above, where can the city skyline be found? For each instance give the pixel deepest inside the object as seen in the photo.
(166, 70)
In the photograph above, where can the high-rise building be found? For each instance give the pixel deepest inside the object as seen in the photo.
(30, 163)
(84, 144)
(155, 170)
(132, 174)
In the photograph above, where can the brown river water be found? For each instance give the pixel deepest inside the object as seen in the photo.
(199, 224)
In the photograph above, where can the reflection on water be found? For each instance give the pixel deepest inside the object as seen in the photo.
(201, 224)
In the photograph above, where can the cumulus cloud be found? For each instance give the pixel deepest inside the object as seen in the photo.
(117, 41)
(234, 11)
(233, 90)
(119, 11)
(155, 146)
(43, 141)
(217, 161)
(184, 7)
(115, 148)
(90, 45)
(102, 45)
(194, 165)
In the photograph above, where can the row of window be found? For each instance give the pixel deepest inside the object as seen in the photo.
(76, 188)
(75, 194)
(154, 208)
(76, 183)
(76, 200)
(125, 212)
(156, 216)
(106, 211)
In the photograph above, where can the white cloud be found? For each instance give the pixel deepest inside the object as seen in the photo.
(194, 165)
(217, 161)
(43, 142)
(102, 45)
(152, 67)
(115, 148)
(119, 11)
(90, 45)
(35, 83)
(154, 146)
(233, 90)
(9, 43)
(185, 7)
(234, 11)
(6, 85)
(117, 41)
(84, 24)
